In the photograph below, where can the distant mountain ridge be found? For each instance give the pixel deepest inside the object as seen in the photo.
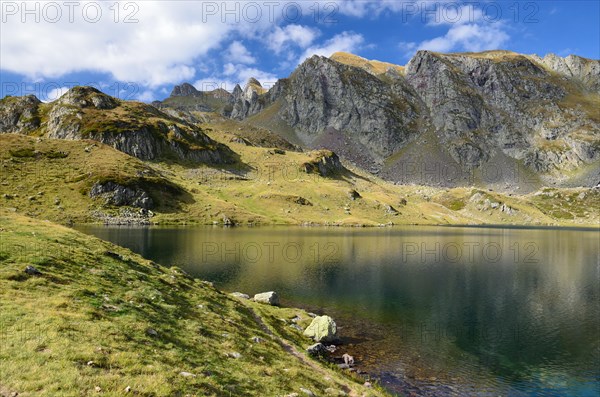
(464, 111)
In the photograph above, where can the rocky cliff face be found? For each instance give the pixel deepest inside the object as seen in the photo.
(573, 67)
(246, 102)
(463, 110)
(484, 103)
(131, 127)
(19, 114)
(339, 107)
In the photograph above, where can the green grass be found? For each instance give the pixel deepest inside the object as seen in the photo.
(84, 324)
(51, 179)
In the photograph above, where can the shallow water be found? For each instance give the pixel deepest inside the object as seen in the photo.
(430, 311)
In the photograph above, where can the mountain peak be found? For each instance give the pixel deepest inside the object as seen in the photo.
(85, 96)
(185, 89)
(253, 81)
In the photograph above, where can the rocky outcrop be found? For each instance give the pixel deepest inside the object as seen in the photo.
(134, 128)
(19, 114)
(119, 195)
(185, 89)
(325, 163)
(587, 71)
(186, 97)
(248, 101)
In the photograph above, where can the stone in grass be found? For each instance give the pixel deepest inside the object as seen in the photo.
(269, 298)
(187, 374)
(307, 392)
(239, 295)
(322, 329)
(32, 271)
(296, 327)
(152, 332)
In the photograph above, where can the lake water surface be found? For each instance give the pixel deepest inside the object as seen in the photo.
(430, 311)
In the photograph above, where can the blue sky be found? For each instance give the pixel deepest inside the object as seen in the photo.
(141, 49)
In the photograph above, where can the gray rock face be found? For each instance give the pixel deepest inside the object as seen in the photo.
(184, 89)
(186, 97)
(87, 97)
(485, 104)
(119, 195)
(587, 71)
(326, 95)
(248, 101)
(19, 114)
(325, 163)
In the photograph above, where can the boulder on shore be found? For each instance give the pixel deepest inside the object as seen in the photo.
(317, 349)
(322, 329)
(269, 298)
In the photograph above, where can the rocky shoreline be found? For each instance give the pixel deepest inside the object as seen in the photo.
(322, 332)
(330, 346)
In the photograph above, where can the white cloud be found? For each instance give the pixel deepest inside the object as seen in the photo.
(54, 94)
(301, 36)
(169, 43)
(146, 96)
(468, 37)
(408, 48)
(236, 74)
(159, 49)
(345, 41)
(469, 30)
(265, 78)
(237, 52)
(213, 83)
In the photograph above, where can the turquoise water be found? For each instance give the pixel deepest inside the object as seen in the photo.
(433, 311)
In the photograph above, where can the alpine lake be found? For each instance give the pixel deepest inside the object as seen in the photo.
(426, 311)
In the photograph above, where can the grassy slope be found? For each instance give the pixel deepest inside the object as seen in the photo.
(51, 179)
(264, 189)
(84, 324)
(371, 66)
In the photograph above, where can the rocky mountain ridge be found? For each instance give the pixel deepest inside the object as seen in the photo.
(463, 111)
(137, 129)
